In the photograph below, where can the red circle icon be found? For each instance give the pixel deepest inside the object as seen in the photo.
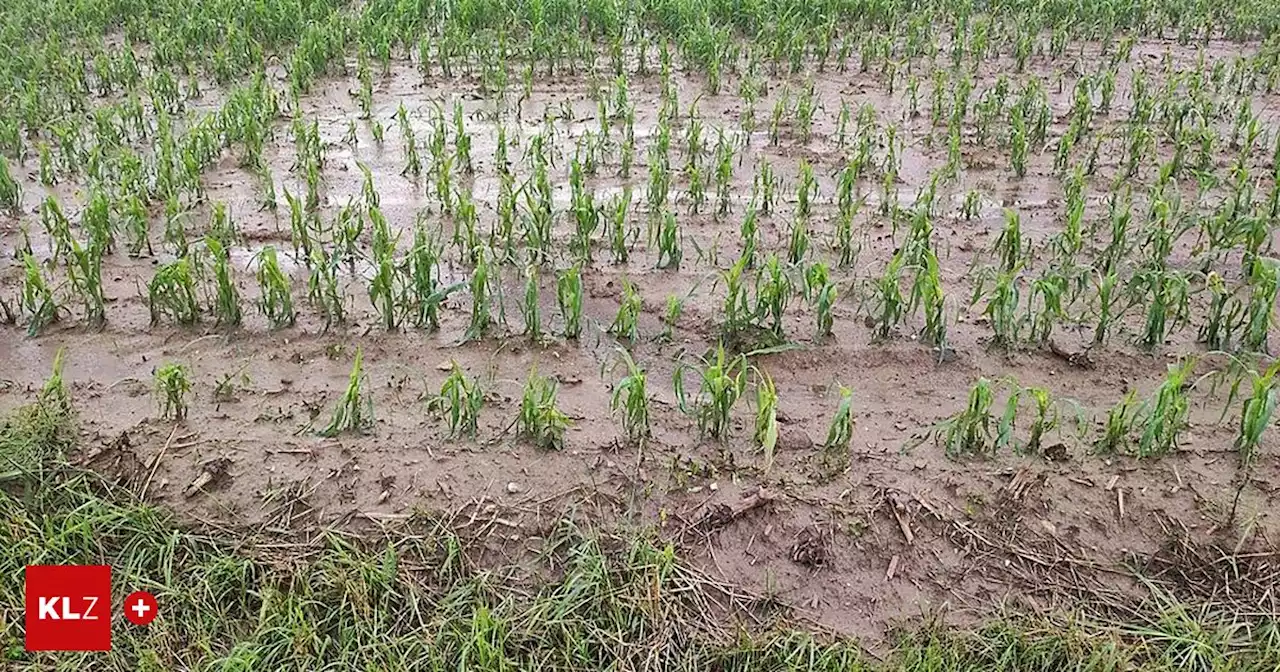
(140, 607)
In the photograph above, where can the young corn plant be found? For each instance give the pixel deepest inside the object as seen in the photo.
(773, 292)
(721, 384)
(670, 317)
(529, 307)
(929, 285)
(569, 299)
(276, 301)
(425, 291)
(84, 273)
(835, 450)
(54, 393)
(627, 322)
(670, 251)
(1169, 306)
(969, 431)
(323, 290)
(1118, 426)
(1002, 306)
(540, 421)
(1044, 421)
(387, 293)
(1225, 317)
(481, 299)
(459, 401)
(631, 398)
(10, 190)
(37, 298)
(226, 300)
(1256, 412)
(1106, 307)
(173, 383)
(172, 293)
(1260, 314)
(766, 426)
(823, 294)
(889, 307)
(1008, 248)
(1165, 415)
(354, 412)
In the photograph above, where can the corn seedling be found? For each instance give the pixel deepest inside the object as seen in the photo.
(627, 322)
(482, 297)
(569, 300)
(54, 394)
(173, 382)
(84, 273)
(1169, 293)
(226, 302)
(529, 305)
(630, 396)
(1256, 411)
(670, 251)
(323, 290)
(766, 425)
(1225, 317)
(773, 292)
(721, 384)
(172, 293)
(969, 431)
(1008, 246)
(888, 305)
(1045, 419)
(670, 317)
(354, 412)
(835, 450)
(929, 285)
(37, 298)
(823, 294)
(276, 300)
(460, 400)
(540, 421)
(10, 190)
(1118, 427)
(1165, 415)
(1260, 314)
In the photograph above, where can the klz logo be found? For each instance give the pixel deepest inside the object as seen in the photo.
(68, 608)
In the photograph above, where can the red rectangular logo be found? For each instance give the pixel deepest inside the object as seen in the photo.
(68, 607)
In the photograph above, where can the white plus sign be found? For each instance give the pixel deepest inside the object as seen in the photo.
(141, 608)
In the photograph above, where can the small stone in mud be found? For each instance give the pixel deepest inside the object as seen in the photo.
(514, 488)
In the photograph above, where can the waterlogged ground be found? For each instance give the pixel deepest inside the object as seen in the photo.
(902, 532)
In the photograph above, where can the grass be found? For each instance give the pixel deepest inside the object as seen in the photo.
(351, 603)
